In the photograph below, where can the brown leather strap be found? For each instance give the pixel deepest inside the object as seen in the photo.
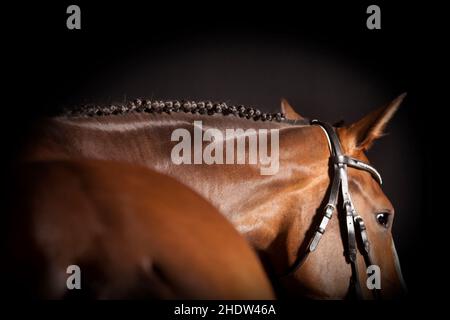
(340, 185)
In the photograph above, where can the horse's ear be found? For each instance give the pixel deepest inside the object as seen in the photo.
(364, 132)
(288, 111)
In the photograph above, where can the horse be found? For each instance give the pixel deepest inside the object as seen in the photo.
(275, 213)
(118, 223)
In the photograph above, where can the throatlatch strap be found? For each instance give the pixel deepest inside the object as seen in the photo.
(328, 211)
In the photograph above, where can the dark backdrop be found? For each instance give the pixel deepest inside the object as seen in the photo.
(320, 57)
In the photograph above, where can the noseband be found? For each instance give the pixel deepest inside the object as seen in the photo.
(354, 222)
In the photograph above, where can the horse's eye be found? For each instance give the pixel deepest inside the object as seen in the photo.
(383, 219)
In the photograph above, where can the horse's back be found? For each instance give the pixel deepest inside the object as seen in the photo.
(133, 233)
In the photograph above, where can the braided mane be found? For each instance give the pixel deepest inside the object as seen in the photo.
(158, 106)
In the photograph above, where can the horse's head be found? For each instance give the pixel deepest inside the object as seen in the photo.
(326, 273)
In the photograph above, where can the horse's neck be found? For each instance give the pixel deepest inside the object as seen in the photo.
(253, 202)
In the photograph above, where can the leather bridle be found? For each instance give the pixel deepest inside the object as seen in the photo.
(355, 226)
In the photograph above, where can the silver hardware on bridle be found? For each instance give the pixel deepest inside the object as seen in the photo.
(339, 185)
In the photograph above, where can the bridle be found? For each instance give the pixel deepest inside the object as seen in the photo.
(355, 226)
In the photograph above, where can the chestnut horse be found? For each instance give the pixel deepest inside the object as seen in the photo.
(274, 212)
(119, 223)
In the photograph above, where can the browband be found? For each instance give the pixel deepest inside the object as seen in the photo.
(355, 163)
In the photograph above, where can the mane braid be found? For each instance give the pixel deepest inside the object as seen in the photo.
(194, 107)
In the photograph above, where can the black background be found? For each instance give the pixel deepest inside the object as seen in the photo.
(320, 56)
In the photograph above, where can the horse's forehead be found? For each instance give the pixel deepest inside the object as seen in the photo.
(362, 184)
